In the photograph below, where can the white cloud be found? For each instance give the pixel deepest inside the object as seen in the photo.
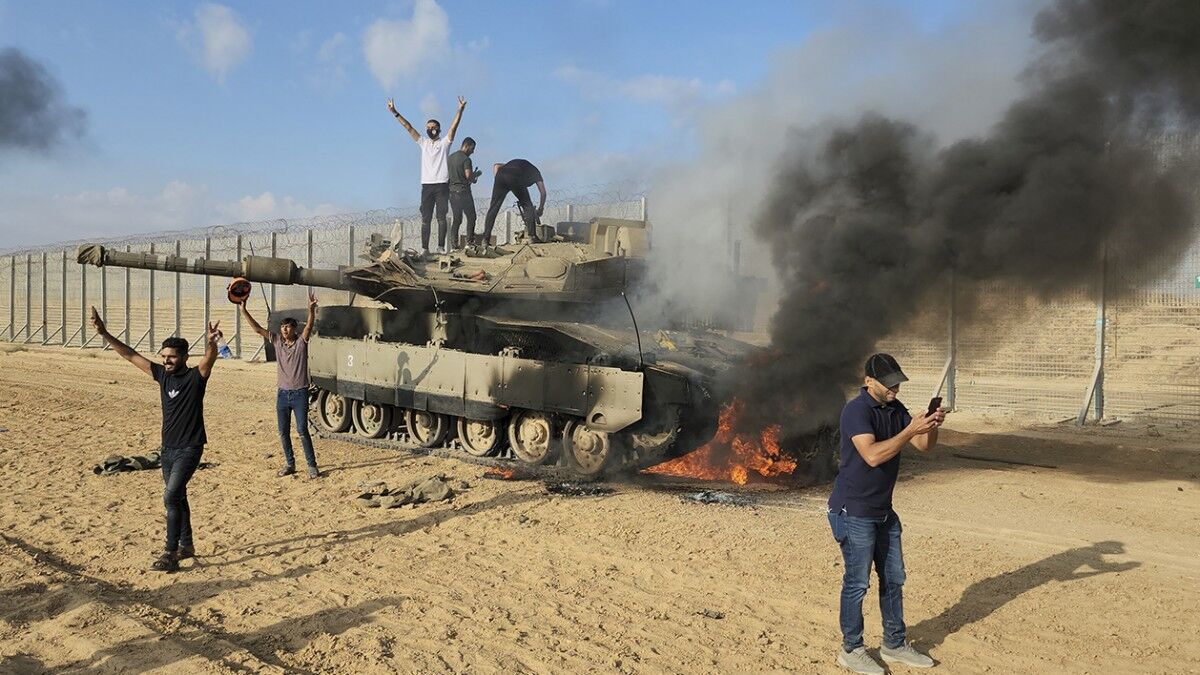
(119, 211)
(218, 38)
(429, 106)
(330, 49)
(398, 48)
(678, 94)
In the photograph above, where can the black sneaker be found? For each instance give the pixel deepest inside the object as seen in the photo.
(286, 471)
(185, 552)
(313, 473)
(167, 562)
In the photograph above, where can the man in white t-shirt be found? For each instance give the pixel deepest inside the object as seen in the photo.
(435, 176)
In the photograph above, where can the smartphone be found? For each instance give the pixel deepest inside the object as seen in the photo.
(934, 404)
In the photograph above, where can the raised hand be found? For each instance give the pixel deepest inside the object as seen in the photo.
(462, 103)
(214, 333)
(312, 301)
(391, 106)
(97, 322)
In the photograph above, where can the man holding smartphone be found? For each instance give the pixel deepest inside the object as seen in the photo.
(875, 427)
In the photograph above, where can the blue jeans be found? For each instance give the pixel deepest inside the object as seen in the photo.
(865, 541)
(178, 465)
(289, 402)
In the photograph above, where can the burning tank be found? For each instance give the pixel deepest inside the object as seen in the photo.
(528, 352)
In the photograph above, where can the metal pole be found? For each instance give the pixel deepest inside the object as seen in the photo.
(12, 297)
(207, 289)
(645, 213)
(952, 348)
(571, 213)
(151, 310)
(62, 305)
(178, 295)
(28, 296)
(83, 306)
(103, 297)
(507, 227)
(45, 327)
(1101, 329)
(310, 254)
(350, 261)
(237, 320)
(128, 287)
(274, 254)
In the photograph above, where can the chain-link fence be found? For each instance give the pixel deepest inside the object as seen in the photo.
(995, 348)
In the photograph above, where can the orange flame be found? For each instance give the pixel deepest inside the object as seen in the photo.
(732, 455)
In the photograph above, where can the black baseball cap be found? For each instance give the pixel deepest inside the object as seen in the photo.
(883, 367)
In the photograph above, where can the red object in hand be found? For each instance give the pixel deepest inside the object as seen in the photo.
(238, 290)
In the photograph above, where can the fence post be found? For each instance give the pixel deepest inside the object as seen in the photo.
(207, 290)
(237, 321)
(103, 298)
(62, 305)
(350, 260)
(571, 212)
(178, 295)
(310, 254)
(952, 347)
(45, 325)
(1095, 391)
(83, 306)
(128, 297)
(28, 297)
(151, 303)
(12, 297)
(274, 254)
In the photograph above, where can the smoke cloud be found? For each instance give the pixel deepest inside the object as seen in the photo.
(864, 220)
(33, 113)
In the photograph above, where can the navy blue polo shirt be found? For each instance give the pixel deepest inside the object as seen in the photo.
(861, 489)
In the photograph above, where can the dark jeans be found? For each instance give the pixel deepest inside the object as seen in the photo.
(865, 541)
(178, 465)
(500, 190)
(434, 195)
(289, 402)
(462, 203)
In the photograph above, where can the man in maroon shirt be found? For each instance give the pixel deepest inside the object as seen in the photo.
(291, 361)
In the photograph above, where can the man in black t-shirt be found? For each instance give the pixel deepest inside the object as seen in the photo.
(462, 203)
(516, 176)
(183, 438)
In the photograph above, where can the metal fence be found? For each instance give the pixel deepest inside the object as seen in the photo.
(45, 295)
(994, 348)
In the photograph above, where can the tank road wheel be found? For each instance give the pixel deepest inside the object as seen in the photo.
(333, 411)
(655, 434)
(426, 428)
(372, 420)
(589, 451)
(480, 438)
(531, 435)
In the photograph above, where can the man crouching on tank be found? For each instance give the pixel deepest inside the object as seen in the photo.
(181, 390)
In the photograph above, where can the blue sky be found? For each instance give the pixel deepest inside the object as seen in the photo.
(207, 113)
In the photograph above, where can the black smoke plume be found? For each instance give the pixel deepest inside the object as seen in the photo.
(866, 221)
(33, 112)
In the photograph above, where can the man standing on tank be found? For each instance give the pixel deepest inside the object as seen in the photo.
(462, 202)
(291, 397)
(516, 176)
(181, 390)
(435, 176)
(875, 427)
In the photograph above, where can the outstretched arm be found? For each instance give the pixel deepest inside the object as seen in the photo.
(210, 350)
(541, 186)
(312, 316)
(411, 131)
(123, 350)
(262, 332)
(462, 103)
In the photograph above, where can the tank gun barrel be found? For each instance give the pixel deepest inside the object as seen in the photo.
(257, 268)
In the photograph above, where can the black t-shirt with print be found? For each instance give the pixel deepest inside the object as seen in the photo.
(182, 394)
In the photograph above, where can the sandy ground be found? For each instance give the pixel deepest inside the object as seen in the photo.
(1092, 565)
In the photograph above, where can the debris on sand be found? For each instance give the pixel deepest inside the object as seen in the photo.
(718, 497)
(498, 473)
(711, 614)
(570, 489)
(379, 495)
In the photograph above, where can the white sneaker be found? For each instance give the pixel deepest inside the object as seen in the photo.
(907, 655)
(859, 661)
